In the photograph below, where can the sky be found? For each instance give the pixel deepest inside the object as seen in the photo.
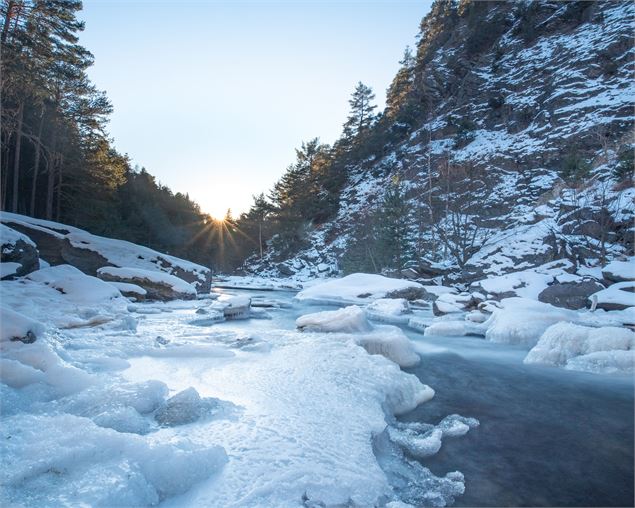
(213, 97)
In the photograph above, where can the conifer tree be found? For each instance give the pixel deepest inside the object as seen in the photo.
(362, 115)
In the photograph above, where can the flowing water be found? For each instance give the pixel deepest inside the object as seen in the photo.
(547, 437)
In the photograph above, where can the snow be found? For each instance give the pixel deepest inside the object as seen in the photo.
(9, 268)
(76, 286)
(347, 320)
(605, 349)
(523, 321)
(9, 236)
(126, 287)
(354, 288)
(389, 306)
(138, 274)
(620, 270)
(620, 294)
(17, 326)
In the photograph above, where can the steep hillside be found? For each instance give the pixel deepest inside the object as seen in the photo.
(511, 145)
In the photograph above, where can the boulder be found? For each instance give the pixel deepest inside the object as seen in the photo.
(409, 293)
(18, 254)
(619, 271)
(449, 303)
(570, 295)
(157, 285)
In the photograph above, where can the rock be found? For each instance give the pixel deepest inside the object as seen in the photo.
(157, 285)
(410, 273)
(285, 270)
(619, 271)
(570, 295)
(17, 248)
(184, 407)
(449, 303)
(409, 293)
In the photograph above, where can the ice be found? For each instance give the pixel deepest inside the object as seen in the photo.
(605, 349)
(389, 310)
(391, 342)
(453, 328)
(233, 306)
(16, 326)
(348, 320)
(355, 288)
(66, 460)
(523, 321)
(423, 440)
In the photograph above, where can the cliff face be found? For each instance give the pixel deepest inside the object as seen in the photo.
(517, 118)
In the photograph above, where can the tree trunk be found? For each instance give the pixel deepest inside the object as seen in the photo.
(7, 21)
(16, 160)
(260, 238)
(4, 166)
(59, 192)
(36, 166)
(50, 181)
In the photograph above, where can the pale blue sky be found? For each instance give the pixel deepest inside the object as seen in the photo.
(213, 97)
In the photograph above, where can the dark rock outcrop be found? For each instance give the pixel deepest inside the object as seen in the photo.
(570, 295)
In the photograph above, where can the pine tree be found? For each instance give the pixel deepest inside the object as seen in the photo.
(361, 116)
(399, 91)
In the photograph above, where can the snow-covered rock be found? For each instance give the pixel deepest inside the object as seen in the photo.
(570, 295)
(616, 297)
(75, 285)
(454, 328)
(130, 290)
(356, 288)
(605, 349)
(233, 306)
(523, 321)
(350, 319)
(17, 327)
(18, 253)
(620, 271)
(60, 243)
(157, 285)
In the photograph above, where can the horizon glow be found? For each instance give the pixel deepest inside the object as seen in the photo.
(212, 98)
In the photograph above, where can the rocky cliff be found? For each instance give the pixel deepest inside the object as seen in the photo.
(513, 146)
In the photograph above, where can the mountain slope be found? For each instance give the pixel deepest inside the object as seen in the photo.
(511, 147)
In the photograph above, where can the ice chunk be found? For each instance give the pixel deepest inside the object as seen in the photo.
(423, 440)
(123, 419)
(389, 310)
(391, 342)
(453, 328)
(65, 459)
(584, 348)
(348, 320)
(184, 407)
